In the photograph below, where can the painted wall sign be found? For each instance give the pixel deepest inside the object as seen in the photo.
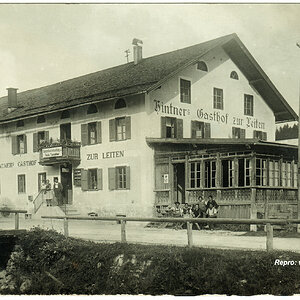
(110, 154)
(225, 118)
(52, 152)
(6, 165)
(26, 163)
(170, 109)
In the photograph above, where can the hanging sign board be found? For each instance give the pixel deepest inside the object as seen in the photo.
(166, 178)
(52, 152)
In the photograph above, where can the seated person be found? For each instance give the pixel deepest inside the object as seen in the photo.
(211, 201)
(197, 213)
(177, 210)
(186, 211)
(211, 213)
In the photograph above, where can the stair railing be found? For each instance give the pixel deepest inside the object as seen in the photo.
(38, 201)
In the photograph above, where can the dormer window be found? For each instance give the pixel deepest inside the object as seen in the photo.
(40, 119)
(120, 103)
(92, 109)
(201, 65)
(234, 75)
(65, 114)
(20, 123)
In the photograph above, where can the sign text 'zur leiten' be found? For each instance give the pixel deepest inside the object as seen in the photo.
(104, 155)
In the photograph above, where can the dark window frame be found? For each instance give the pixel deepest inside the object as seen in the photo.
(218, 97)
(185, 90)
(21, 183)
(248, 105)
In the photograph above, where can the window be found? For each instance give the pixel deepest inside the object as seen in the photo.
(201, 65)
(21, 184)
(40, 119)
(91, 133)
(248, 105)
(185, 91)
(92, 109)
(20, 123)
(218, 98)
(273, 173)
(171, 127)
(261, 172)
(227, 173)
(295, 178)
(41, 178)
(120, 103)
(195, 175)
(234, 75)
(65, 114)
(91, 180)
(39, 138)
(210, 174)
(19, 144)
(200, 130)
(261, 135)
(120, 129)
(119, 178)
(244, 172)
(286, 174)
(238, 133)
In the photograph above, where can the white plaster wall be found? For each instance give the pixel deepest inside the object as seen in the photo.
(218, 75)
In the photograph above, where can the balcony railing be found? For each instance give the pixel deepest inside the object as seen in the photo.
(61, 151)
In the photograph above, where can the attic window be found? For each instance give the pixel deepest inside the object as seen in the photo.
(234, 75)
(20, 123)
(65, 114)
(41, 119)
(120, 104)
(201, 65)
(92, 109)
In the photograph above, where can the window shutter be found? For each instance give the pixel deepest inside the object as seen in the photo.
(243, 133)
(207, 132)
(112, 130)
(179, 128)
(111, 178)
(35, 142)
(25, 143)
(163, 127)
(264, 136)
(193, 129)
(14, 145)
(99, 133)
(128, 178)
(84, 134)
(84, 180)
(99, 179)
(47, 136)
(128, 127)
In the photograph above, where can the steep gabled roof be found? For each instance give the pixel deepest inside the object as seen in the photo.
(128, 79)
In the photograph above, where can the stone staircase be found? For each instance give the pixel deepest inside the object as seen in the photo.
(69, 210)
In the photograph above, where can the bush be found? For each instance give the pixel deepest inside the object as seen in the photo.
(45, 262)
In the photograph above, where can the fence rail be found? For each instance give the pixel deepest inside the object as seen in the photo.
(189, 221)
(16, 212)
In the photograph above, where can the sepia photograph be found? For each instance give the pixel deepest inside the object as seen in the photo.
(149, 149)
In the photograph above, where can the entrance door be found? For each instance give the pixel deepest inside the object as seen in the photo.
(41, 179)
(65, 131)
(179, 182)
(66, 181)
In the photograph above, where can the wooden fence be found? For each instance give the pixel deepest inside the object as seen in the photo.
(16, 212)
(189, 221)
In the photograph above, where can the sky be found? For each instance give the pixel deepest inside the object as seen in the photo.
(41, 44)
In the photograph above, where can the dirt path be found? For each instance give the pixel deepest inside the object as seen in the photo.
(136, 233)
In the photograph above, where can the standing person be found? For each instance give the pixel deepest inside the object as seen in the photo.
(211, 213)
(48, 193)
(58, 191)
(211, 201)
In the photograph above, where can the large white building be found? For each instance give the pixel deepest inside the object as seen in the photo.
(132, 138)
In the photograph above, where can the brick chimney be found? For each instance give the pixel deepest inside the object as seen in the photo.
(137, 51)
(12, 98)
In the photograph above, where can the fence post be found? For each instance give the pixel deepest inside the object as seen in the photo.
(189, 227)
(123, 231)
(269, 241)
(66, 227)
(17, 221)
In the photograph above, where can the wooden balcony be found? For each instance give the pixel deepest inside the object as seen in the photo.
(59, 152)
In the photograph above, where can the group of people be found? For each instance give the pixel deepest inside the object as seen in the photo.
(52, 195)
(203, 209)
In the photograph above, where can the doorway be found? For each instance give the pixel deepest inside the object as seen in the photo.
(179, 182)
(65, 131)
(66, 181)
